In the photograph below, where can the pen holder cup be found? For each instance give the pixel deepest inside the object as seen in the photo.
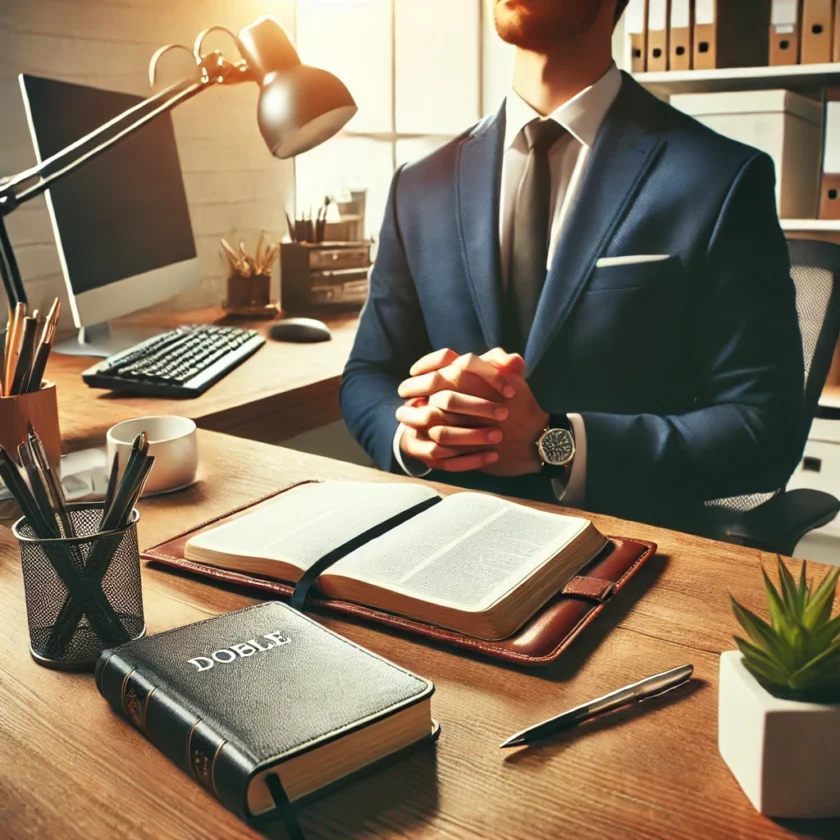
(40, 408)
(249, 297)
(82, 593)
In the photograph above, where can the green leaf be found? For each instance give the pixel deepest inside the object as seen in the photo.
(777, 607)
(828, 662)
(762, 634)
(826, 634)
(819, 607)
(804, 592)
(790, 593)
(755, 654)
(760, 664)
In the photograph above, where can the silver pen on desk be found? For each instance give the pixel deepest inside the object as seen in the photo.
(644, 690)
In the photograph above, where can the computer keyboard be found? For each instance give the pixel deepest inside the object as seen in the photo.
(181, 363)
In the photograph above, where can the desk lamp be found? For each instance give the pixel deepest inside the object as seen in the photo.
(299, 107)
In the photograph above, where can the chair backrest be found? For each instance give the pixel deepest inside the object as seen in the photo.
(815, 268)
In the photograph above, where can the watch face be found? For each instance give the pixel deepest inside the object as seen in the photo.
(557, 447)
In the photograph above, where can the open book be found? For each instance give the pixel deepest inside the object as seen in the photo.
(470, 562)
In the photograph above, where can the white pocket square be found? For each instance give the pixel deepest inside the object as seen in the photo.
(606, 262)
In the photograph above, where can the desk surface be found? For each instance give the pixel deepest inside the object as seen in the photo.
(71, 768)
(273, 395)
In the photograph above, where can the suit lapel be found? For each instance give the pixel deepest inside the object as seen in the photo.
(477, 187)
(619, 162)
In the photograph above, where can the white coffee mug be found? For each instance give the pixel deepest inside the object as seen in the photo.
(173, 442)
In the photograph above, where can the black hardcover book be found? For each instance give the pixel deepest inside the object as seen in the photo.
(262, 695)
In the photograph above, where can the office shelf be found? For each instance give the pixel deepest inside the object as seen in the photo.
(792, 77)
(811, 225)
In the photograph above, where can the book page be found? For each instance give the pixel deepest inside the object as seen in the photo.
(307, 522)
(466, 552)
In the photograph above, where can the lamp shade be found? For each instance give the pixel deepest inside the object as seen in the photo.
(299, 106)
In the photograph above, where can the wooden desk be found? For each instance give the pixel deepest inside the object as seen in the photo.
(71, 768)
(282, 390)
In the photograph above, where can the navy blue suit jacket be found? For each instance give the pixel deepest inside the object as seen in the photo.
(688, 372)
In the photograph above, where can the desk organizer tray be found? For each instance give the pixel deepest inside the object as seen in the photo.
(540, 641)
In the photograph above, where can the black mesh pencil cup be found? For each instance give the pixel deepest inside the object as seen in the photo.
(82, 593)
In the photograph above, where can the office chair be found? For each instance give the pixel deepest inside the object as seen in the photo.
(777, 521)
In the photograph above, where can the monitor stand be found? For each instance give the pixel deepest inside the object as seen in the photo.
(101, 341)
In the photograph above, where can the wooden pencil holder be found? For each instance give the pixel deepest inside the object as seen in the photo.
(249, 297)
(40, 408)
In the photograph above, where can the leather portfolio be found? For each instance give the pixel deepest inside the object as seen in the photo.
(541, 641)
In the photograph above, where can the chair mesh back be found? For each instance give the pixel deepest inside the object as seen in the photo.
(815, 268)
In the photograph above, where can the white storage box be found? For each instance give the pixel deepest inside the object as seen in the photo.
(785, 125)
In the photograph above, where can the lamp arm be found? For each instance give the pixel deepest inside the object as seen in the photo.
(45, 167)
(70, 159)
(73, 156)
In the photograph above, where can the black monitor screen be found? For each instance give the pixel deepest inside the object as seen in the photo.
(125, 212)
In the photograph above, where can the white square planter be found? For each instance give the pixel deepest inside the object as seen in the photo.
(784, 754)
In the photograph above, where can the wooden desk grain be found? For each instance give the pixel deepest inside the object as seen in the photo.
(282, 390)
(70, 768)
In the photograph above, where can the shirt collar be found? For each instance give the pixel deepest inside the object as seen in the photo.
(582, 116)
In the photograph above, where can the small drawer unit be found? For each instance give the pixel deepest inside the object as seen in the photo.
(329, 275)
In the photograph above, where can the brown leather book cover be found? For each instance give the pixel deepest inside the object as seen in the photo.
(785, 32)
(817, 31)
(540, 641)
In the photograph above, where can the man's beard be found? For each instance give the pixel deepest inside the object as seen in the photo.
(540, 24)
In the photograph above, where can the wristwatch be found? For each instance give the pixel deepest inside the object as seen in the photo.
(556, 447)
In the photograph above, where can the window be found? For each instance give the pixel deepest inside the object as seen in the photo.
(421, 72)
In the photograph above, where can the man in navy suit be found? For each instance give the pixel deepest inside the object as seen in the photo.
(585, 298)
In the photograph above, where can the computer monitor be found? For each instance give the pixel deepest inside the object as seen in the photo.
(121, 222)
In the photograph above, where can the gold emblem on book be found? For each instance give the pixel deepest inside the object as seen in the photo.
(134, 708)
(201, 768)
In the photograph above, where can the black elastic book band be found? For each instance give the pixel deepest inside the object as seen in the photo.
(304, 585)
(283, 810)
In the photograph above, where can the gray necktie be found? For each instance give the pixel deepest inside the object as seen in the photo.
(531, 222)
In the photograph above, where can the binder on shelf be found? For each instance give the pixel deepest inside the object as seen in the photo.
(830, 186)
(785, 32)
(730, 34)
(679, 38)
(836, 40)
(658, 17)
(635, 27)
(817, 31)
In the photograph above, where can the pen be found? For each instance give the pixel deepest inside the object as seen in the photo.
(644, 690)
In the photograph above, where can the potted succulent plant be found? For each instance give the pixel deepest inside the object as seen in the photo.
(779, 703)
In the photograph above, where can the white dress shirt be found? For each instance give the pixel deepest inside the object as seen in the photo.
(582, 117)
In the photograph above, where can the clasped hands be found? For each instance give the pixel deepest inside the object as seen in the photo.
(470, 412)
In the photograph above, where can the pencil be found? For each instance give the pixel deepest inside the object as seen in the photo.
(25, 352)
(14, 344)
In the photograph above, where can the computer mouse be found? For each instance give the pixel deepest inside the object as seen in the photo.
(300, 330)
